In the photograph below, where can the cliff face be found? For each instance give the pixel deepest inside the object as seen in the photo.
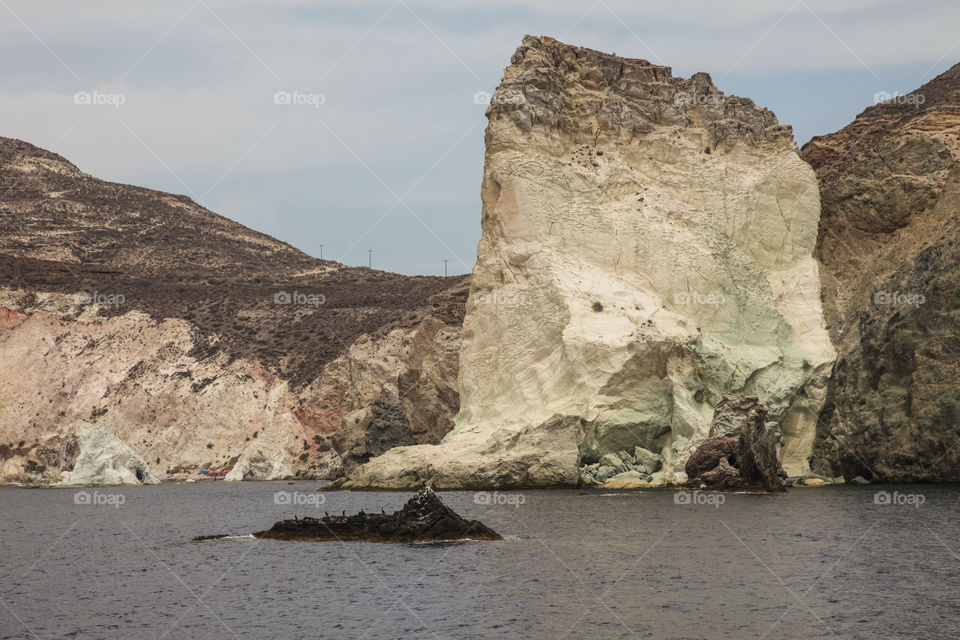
(890, 185)
(647, 248)
(142, 323)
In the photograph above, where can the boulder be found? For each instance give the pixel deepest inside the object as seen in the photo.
(629, 480)
(543, 455)
(709, 454)
(723, 476)
(646, 461)
(614, 461)
(748, 460)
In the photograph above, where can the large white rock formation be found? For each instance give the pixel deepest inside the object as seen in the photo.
(647, 248)
(104, 459)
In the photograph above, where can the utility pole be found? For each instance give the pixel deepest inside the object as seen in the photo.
(445, 261)
(370, 258)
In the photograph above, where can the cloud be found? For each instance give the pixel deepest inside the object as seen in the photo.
(397, 79)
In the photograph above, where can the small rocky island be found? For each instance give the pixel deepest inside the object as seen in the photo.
(424, 518)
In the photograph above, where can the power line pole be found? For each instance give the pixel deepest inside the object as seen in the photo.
(370, 258)
(445, 261)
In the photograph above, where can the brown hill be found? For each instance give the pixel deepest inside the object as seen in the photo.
(146, 334)
(62, 230)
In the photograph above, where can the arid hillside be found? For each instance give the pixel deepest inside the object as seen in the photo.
(98, 257)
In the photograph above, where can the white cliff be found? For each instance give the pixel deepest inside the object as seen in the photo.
(107, 460)
(647, 248)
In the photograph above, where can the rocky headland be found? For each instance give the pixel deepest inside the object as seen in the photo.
(890, 185)
(666, 293)
(647, 249)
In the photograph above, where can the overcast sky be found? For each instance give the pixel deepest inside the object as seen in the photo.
(385, 149)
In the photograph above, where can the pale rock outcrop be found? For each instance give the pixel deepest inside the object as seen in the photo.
(271, 457)
(135, 378)
(104, 459)
(145, 382)
(646, 249)
(543, 455)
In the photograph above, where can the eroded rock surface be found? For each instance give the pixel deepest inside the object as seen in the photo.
(888, 242)
(647, 248)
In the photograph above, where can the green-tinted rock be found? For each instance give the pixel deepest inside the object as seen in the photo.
(627, 429)
(646, 461)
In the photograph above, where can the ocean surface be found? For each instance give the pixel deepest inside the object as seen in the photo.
(840, 562)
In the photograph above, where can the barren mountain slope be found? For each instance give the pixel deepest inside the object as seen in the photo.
(106, 266)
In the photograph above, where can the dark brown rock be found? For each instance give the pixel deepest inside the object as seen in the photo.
(723, 476)
(424, 518)
(757, 458)
(709, 454)
(890, 276)
(746, 458)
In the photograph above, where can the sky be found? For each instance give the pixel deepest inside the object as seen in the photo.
(348, 127)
